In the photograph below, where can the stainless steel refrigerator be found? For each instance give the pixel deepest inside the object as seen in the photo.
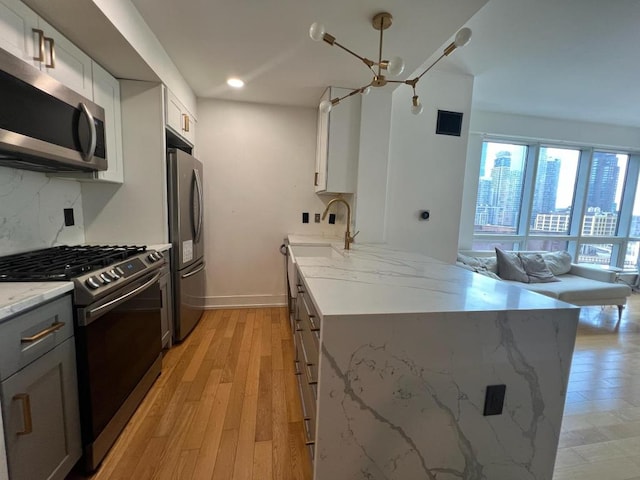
(186, 214)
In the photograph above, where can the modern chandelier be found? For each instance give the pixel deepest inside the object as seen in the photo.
(394, 66)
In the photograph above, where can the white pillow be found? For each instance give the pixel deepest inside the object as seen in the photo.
(558, 262)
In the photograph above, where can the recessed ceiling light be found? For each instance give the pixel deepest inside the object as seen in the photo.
(235, 83)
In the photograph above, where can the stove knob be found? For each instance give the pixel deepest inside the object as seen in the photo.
(151, 257)
(105, 278)
(160, 255)
(92, 283)
(114, 275)
(120, 271)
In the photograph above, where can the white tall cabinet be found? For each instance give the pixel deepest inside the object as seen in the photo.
(338, 144)
(106, 93)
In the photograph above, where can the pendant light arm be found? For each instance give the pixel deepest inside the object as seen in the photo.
(337, 100)
(332, 41)
(380, 48)
(430, 67)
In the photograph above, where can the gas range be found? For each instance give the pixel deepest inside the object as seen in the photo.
(96, 270)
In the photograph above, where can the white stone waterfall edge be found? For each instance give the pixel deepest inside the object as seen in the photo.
(402, 397)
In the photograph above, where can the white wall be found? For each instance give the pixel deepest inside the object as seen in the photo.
(126, 18)
(135, 212)
(259, 163)
(426, 171)
(31, 211)
(373, 163)
(504, 126)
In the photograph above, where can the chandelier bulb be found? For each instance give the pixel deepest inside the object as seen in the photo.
(325, 106)
(365, 91)
(395, 66)
(462, 37)
(316, 31)
(416, 107)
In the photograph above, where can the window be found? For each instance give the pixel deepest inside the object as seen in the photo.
(500, 188)
(553, 191)
(604, 192)
(546, 197)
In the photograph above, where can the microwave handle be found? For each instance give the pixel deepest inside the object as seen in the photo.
(88, 155)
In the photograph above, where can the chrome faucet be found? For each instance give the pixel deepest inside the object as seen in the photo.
(348, 239)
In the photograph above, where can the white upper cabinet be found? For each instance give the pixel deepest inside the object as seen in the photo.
(338, 144)
(17, 22)
(106, 93)
(179, 120)
(64, 61)
(27, 36)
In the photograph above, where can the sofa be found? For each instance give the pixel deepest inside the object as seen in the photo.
(576, 284)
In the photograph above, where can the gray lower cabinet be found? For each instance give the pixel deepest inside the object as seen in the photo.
(307, 347)
(40, 399)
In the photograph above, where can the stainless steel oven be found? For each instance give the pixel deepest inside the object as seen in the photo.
(117, 304)
(118, 344)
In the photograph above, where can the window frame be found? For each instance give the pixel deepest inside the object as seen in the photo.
(575, 238)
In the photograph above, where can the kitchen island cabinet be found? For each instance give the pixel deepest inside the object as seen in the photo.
(408, 346)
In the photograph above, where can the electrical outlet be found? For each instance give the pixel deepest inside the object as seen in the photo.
(68, 217)
(305, 217)
(494, 400)
(317, 217)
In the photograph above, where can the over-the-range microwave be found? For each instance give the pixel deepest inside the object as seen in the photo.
(46, 126)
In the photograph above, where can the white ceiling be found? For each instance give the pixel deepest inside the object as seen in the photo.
(573, 59)
(267, 44)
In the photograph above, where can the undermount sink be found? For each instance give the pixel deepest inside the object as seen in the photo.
(326, 251)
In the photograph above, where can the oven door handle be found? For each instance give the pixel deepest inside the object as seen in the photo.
(116, 301)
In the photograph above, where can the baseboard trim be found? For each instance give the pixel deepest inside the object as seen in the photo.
(245, 301)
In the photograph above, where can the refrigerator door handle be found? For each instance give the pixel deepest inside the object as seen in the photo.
(190, 274)
(197, 223)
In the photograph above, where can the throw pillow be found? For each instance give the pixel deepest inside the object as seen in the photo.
(536, 269)
(558, 262)
(510, 266)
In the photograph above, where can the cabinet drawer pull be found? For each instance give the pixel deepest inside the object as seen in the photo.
(312, 381)
(33, 338)
(186, 122)
(52, 53)
(312, 321)
(40, 33)
(26, 413)
(300, 289)
(307, 431)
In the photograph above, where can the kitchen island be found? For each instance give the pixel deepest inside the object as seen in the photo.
(407, 348)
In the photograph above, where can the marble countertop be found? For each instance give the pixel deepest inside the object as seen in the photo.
(375, 279)
(16, 297)
(160, 247)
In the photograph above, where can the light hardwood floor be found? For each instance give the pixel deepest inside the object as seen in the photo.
(226, 404)
(225, 407)
(600, 436)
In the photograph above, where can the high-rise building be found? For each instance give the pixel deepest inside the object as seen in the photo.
(603, 182)
(546, 187)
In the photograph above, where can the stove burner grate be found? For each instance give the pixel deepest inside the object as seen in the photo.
(62, 262)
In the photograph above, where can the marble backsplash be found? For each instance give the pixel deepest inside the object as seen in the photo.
(32, 211)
